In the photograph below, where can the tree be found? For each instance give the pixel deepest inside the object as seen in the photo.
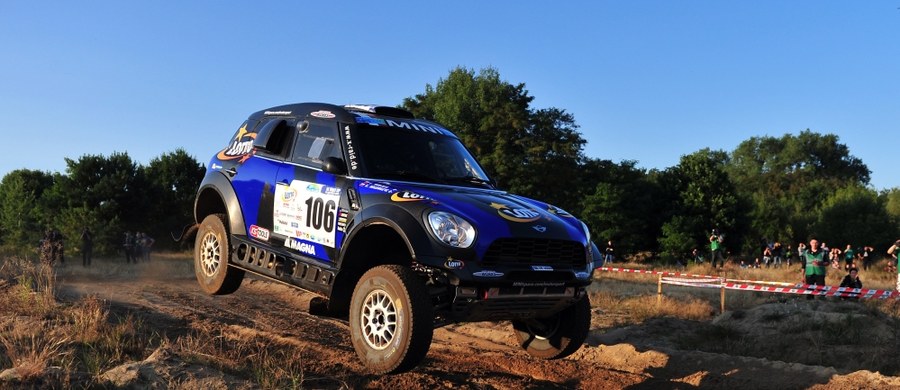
(855, 215)
(173, 180)
(21, 193)
(622, 207)
(787, 179)
(704, 198)
(109, 190)
(531, 152)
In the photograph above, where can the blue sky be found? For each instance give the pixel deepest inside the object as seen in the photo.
(646, 80)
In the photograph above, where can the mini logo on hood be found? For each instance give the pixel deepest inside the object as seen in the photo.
(539, 228)
(516, 214)
(558, 211)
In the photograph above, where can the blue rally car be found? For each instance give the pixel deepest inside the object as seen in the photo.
(392, 220)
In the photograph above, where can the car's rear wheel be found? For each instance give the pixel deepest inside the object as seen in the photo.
(557, 336)
(211, 254)
(391, 319)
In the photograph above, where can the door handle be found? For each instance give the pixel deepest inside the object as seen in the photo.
(231, 171)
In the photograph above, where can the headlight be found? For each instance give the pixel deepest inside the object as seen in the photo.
(451, 230)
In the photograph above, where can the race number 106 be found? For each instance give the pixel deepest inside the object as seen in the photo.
(320, 214)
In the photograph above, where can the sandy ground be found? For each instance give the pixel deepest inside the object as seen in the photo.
(483, 355)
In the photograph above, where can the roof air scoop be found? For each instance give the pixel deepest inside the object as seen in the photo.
(381, 110)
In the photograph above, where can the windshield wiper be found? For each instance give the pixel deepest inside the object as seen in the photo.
(407, 175)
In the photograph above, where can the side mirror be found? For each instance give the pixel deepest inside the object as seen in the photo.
(334, 165)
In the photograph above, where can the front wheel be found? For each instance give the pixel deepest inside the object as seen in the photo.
(391, 319)
(211, 253)
(557, 336)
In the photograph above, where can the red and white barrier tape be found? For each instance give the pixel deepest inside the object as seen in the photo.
(709, 281)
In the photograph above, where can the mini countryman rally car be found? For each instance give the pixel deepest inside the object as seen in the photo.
(392, 220)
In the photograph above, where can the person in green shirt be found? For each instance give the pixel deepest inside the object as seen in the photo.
(815, 264)
(715, 248)
(849, 257)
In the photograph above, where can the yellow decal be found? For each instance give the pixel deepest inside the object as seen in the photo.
(516, 214)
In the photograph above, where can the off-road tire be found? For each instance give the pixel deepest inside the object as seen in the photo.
(391, 319)
(211, 254)
(557, 336)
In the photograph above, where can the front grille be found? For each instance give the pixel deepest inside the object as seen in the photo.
(528, 251)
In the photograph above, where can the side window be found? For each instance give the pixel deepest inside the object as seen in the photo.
(317, 142)
(279, 134)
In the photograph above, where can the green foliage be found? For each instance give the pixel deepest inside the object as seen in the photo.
(107, 194)
(536, 153)
(855, 215)
(704, 198)
(622, 206)
(20, 208)
(173, 180)
(787, 179)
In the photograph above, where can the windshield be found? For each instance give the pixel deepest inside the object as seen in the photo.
(419, 156)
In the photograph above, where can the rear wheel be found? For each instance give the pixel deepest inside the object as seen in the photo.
(391, 319)
(211, 254)
(557, 336)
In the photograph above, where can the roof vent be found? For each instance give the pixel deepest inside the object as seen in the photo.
(381, 110)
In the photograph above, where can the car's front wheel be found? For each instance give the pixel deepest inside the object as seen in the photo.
(557, 336)
(391, 319)
(211, 253)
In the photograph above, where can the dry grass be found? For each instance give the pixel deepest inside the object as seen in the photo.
(31, 350)
(270, 364)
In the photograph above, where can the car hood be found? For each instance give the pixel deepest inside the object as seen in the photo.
(494, 214)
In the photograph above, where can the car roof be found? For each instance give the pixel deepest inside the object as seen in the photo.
(372, 115)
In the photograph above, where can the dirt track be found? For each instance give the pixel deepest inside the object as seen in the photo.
(164, 295)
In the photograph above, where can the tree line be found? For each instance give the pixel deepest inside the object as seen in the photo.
(784, 188)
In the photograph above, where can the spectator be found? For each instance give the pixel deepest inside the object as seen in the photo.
(815, 264)
(58, 248)
(715, 248)
(87, 247)
(777, 254)
(834, 256)
(852, 279)
(609, 253)
(696, 257)
(47, 248)
(893, 252)
(849, 256)
(128, 246)
(146, 243)
(766, 252)
(868, 257)
(790, 255)
(801, 248)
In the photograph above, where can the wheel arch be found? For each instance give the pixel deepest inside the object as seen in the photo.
(216, 196)
(377, 242)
